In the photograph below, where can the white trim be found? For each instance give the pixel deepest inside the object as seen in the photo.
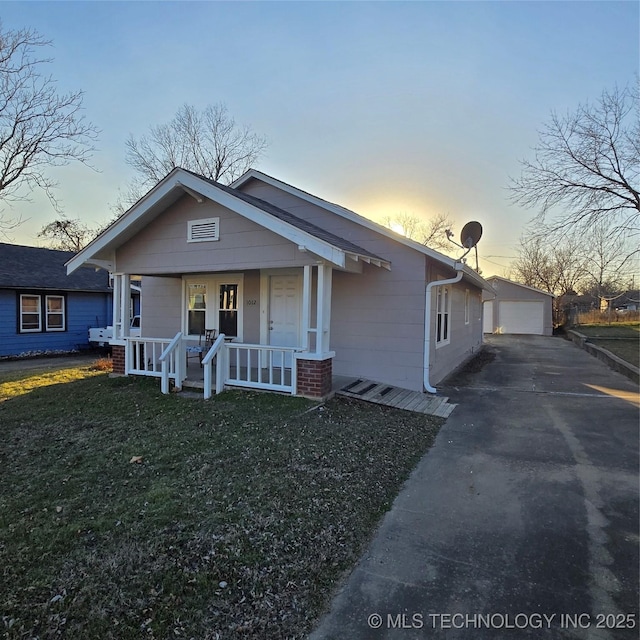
(443, 292)
(180, 180)
(63, 313)
(39, 312)
(212, 281)
(467, 306)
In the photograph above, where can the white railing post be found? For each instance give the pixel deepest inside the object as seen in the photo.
(217, 350)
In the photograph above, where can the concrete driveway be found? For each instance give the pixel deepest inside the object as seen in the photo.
(522, 520)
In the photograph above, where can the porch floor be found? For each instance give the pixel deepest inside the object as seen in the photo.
(390, 396)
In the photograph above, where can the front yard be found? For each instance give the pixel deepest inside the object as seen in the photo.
(128, 514)
(620, 339)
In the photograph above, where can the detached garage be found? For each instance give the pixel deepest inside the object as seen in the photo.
(518, 308)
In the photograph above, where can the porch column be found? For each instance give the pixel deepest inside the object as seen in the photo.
(306, 306)
(121, 301)
(125, 301)
(314, 368)
(323, 309)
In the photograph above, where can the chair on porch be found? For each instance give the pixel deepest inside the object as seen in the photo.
(204, 344)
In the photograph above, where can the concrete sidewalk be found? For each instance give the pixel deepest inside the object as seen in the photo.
(521, 521)
(52, 362)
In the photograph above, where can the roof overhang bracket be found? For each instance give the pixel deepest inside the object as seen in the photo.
(198, 197)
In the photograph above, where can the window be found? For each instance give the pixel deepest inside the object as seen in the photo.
(205, 230)
(443, 303)
(55, 313)
(228, 310)
(213, 302)
(30, 314)
(197, 310)
(42, 313)
(466, 307)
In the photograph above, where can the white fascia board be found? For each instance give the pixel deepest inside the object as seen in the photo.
(138, 210)
(345, 213)
(288, 231)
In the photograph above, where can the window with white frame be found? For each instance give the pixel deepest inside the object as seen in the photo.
(214, 302)
(228, 309)
(467, 314)
(41, 313)
(55, 320)
(196, 308)
(443, 312)
(30, 313)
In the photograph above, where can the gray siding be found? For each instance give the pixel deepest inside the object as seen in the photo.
(377, 317)
(465, 339)
(161, 307)
(162, 247)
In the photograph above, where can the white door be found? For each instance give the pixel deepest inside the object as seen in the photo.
(522, 317)
(284, 312)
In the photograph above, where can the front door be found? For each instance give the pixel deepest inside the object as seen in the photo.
(284, 312)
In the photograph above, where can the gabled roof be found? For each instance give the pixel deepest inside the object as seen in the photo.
(254, 174)
(37, 268)
(519, 284)
(179, 181)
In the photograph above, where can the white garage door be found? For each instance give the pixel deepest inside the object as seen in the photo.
(522, 317)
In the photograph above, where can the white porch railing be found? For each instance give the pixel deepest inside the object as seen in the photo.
(258, 366)
(171, 362)
(253, 366)
(217, 351)
(143, 355)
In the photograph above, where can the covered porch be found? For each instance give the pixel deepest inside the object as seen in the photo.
(290, 316)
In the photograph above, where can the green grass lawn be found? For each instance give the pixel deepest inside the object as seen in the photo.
(128, 514)
(622, 339)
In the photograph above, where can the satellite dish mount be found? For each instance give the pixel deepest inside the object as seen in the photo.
(469, 238)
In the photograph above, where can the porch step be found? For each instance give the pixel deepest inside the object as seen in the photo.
(397, 397)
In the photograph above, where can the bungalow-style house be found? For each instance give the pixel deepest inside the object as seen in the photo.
(42, 309)
(517, 308)
(296, 288)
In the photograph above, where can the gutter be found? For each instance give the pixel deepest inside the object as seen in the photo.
(427, 322)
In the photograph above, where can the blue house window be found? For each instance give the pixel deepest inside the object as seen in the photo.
(42, 313)
(30, 314)
(55, 313)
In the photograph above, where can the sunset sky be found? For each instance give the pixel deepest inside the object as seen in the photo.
(382, 107)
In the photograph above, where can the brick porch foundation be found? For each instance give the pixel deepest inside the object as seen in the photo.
(117, 355)
(314, 377)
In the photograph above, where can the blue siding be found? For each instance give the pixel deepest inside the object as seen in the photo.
(83, 310)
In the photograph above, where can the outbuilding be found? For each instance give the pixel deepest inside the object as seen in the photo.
(518, 308)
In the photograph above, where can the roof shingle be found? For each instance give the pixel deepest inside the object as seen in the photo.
(37, 268)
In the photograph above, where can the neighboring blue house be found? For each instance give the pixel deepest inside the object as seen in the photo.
(42, 309)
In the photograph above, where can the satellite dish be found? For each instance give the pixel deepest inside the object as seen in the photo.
(470, 234)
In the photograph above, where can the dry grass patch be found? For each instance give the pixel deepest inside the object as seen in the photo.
(126, 514)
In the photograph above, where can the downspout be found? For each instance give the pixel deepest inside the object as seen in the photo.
(427, 322)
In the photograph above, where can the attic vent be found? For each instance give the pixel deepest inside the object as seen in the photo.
(205, 230)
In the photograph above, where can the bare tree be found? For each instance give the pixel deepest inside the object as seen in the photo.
(587, 166)
(39, 128)
(558, 268)
(610, 261)
(430, 232)
(67, 235)
(208, 142)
